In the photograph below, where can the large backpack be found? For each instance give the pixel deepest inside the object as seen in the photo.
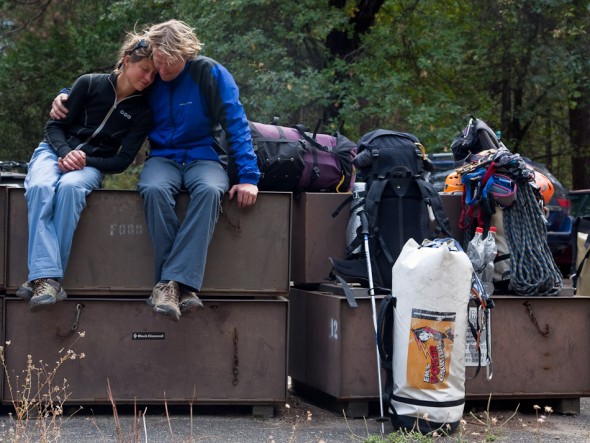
(476, 137)
(294, 159)
(398, 201)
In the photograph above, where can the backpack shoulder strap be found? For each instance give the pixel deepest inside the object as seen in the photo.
(372, 201)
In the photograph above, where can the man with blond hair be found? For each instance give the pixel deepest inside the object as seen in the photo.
(192, 101)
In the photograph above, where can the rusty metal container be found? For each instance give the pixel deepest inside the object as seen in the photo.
(317, 235)
(232, 352)
(332, 347)
(3, 214)
(112, 252)
(539, 349)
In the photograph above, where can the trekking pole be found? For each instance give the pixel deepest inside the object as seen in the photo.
(365, 233)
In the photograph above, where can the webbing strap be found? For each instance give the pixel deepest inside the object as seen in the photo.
(347, 291)
(474, 331)
(432, 404)
(491, 169)
(314, 155)
(342, 205)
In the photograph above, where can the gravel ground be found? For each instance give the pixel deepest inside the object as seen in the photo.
(300, 421)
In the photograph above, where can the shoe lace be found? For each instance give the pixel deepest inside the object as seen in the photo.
(170, 293)
(44, 287)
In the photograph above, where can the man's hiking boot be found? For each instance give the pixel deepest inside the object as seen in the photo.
(25, 291)
(46, 291)
(164, 299)
(189, 302)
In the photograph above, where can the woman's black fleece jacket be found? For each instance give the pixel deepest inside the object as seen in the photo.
(110, 132)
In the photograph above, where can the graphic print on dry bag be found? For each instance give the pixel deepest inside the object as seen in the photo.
(430, 348)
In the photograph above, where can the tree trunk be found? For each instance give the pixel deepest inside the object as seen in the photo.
(580, 139)
(343, 44)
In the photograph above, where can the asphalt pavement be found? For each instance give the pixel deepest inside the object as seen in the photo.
(298, 421)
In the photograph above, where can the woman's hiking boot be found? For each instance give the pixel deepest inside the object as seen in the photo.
(164, 299)
(46, 291)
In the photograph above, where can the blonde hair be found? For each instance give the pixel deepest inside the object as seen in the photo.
(136, 46)
(175, 39)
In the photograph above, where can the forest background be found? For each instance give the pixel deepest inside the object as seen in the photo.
(420, 66)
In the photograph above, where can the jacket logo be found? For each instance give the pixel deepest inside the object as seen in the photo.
(124, 114)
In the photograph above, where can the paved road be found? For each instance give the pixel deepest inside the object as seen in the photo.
(300, 422)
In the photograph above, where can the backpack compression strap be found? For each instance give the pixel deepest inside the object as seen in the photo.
(432, 199)
(342, 151)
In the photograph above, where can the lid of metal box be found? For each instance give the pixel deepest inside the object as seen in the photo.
(112, 252)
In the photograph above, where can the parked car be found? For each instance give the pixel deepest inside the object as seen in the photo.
(444, 164)
(559, 221)
(13, 173)
(580, 202)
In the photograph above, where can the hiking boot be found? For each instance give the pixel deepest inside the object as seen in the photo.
(164, 299)
(46, 291)
(189, 302)
(25, 290)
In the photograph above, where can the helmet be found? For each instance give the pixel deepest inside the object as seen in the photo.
(453, 183)
(545, 187)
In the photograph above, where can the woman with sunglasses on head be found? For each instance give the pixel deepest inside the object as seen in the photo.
(107, 122)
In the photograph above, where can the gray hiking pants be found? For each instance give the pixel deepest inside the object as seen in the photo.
(181, 248)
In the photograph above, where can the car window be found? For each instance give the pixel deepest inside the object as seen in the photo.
(580, 202)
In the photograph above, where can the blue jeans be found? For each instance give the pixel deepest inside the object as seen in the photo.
(181, 249)
(55, 201)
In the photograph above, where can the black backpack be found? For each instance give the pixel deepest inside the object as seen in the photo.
(399, 204)
(477, 136)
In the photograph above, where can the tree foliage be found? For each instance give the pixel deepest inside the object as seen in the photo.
(415, 65)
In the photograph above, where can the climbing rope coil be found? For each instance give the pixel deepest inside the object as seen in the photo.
(533, 271)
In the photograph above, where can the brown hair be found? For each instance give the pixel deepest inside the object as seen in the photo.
(174, 39)
(136, 46)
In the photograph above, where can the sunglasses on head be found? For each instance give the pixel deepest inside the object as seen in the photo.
(142, 44)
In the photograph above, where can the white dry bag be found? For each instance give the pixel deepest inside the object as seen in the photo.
(432, 284)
